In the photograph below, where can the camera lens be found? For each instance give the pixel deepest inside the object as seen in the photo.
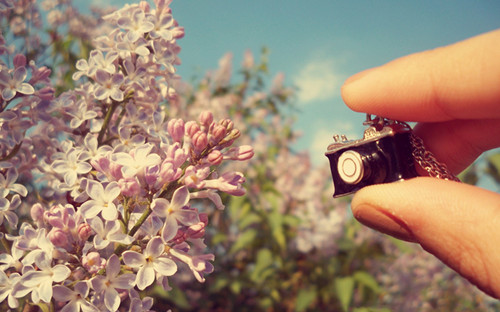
(350, 167)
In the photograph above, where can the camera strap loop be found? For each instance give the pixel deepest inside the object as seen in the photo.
(424, 158)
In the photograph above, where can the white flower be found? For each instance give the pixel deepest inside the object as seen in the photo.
(109, 284)
(81, 114)
(75, 298)
(72, 163)
(39, 283)
(175, 212)
(7, 184)
(15, 84)
(136, 161)
(6, 210)
(151, 262)
(108, 86)
(108, 233)
(102, 200)
(11, 260)
(7, 286)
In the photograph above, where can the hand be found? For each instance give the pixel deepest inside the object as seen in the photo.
(454, 94)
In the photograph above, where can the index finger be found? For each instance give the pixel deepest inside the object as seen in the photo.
(460, 81)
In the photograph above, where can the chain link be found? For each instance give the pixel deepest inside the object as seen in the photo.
(428, 162)
(422, 156)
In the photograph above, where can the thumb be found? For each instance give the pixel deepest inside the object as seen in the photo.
(458, 223)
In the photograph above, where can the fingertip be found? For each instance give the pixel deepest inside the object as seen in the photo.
(458, 223)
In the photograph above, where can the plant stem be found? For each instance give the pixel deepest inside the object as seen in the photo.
(106, 121)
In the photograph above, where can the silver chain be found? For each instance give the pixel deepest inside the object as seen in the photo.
(422, 156)
(428, 162)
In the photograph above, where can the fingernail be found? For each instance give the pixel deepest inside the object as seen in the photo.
(383, 221)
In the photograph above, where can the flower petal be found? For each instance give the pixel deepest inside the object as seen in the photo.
(133, 259)
(180, 198)
(165, 266)
(145, 277)
(155, 247)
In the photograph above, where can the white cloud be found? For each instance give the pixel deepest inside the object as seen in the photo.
(318, 80)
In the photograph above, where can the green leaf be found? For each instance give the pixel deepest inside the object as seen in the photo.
(305, 298)
(368, 309)
(263, 266)
(235, 287)
(219, 238)
(345, 289)
(244, 240)
(366, 279)
(277, 229)
(43, 306)
(219, 283)
(250, 219)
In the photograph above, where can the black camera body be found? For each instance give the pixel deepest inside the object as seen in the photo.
(383, 155)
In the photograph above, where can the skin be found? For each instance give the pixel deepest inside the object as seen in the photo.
(453, 92)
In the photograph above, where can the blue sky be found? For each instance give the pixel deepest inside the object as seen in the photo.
(318, 44)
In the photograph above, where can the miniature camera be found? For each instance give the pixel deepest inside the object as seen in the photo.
(384, 154)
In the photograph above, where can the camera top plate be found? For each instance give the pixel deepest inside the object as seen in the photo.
(371, 134)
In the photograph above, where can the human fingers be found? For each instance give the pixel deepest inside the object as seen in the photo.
(458, 223)
(459, 81)
(459, 142)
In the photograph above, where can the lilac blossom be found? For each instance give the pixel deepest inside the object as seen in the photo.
(39, 282)
(101, 200)
(115, 158)
(15, 84)
(108, 86)
(136, 25)
(7, 284)
(108, 233)
(74, 299)
(71, 164)
(151, 262)
(113, 281)
(7, 184)
(8, 208)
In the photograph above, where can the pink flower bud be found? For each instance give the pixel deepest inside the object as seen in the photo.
(191, 128)
(196, 231)
(200, 141)
(144, 6)
(176, 129)
(19, 60)
(100, 164)
(227, 123)
(215, 157)
(169, 173)
(206, 118)
(218, 133)
(176, 155)
(178, 32)
(248, 61)
(46, 93)
(115, 170)
(241, 153)
(93, 262)
(37, 212)
(84, 232)
(56, 216)
(129, 186)
(58, 237)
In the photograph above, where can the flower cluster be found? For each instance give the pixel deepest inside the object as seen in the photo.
(106, 182)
